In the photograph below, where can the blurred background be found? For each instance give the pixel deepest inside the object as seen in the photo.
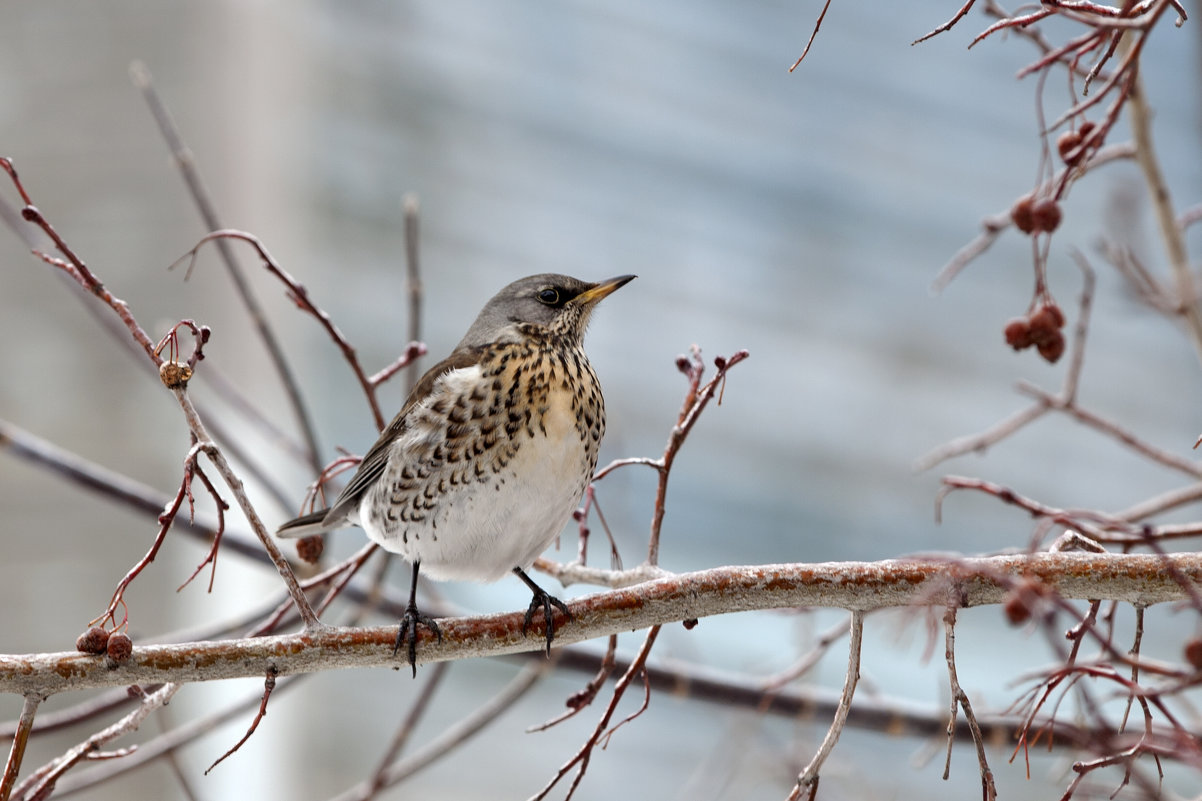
(801, 216)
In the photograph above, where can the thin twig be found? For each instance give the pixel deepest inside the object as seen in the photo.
(960, 700)
(186, 162)
(268, 687)
(807, 781)
(817, 25)
(12, 766)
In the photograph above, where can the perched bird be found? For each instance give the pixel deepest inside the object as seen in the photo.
(485, 462)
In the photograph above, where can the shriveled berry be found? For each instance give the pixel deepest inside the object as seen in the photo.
(1018, 333)
(1193, 653)
(1045, 325)
(120, 646)
(1052, 349)
(1017, 608)
(1022, 213)
(93, 641)
(1045, 216)
(175, 375)
(1086, 128)
(1068, 146)
(309, 549)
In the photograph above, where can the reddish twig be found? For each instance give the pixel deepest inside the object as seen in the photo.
(696, 399)
(580, 700)
(814, 35)
(580, 760)
(300, 296)
(268, 686)
(16, 753)
(186, 162)
(74, 266)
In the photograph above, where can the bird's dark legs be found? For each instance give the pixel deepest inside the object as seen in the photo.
(546, 601)
(410, 621)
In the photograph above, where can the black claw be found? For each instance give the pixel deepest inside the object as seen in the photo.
(546, 601)
(407, 633)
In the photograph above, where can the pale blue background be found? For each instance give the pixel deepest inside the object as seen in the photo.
(801, 216)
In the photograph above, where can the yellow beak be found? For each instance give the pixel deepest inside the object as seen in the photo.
(603, 289)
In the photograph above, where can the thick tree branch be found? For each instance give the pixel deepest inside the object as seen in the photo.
(1134, 578)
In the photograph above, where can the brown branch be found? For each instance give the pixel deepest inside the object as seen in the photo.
(226, 471)
(1132, 578)
(42, 781)
(12, 766)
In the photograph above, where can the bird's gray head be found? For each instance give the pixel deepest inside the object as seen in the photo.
(558, 303)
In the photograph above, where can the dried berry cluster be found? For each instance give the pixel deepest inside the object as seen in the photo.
(1072, 145)
(96, 640)
(1035, 216)
(1041, 328)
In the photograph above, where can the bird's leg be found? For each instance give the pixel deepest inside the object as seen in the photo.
(407, 633)
(546, 601)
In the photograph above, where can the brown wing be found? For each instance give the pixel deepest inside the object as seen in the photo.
(376, 459)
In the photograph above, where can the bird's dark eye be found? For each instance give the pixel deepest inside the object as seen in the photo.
(549, 296)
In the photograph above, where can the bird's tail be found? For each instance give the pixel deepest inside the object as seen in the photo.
(305, 525)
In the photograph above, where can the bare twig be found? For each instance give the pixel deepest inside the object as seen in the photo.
(807, 782)
(268, 686)
(960, 701)
(186, 162)
(810, 42)
(580, 760)
(696, 399)
(12, 766)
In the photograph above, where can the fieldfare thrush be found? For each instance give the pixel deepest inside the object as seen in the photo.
(491, 452)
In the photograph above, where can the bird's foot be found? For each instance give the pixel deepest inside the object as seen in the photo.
(546, 601)
(407, 633)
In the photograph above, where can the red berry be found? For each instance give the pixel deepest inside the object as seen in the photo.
(1046, 324)
(1193, 653)
(1022, 214)
(93, 641)
(1017, 610)
(1052, 349)
(1068, 144)
(1018, 333)
(309, 548)
(1045, 215)
(120, 646)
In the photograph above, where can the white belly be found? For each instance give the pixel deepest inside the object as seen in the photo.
(479, 528)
